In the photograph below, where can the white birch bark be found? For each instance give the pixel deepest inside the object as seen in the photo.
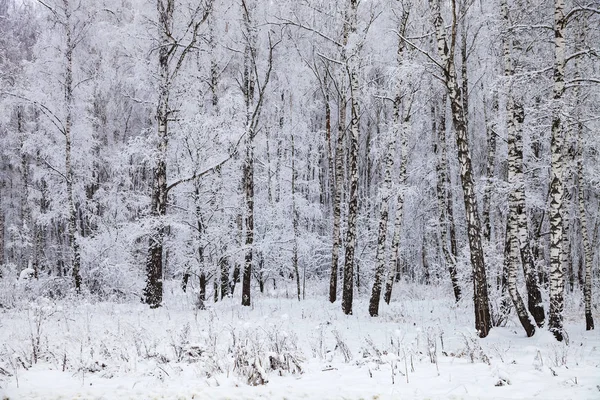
(556, 184)
(386, 190)
(351, 59)
(446, 53)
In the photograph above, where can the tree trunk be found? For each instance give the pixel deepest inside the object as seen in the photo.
(439, 129)
(249, 203)
(446, 52)
(153, 292)
(491, 162)
(401, 129)
(386, 190)
(556, 184)
(71, 225)
(337, 200)
(295, 220)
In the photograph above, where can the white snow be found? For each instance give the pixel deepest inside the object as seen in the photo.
(127, 351)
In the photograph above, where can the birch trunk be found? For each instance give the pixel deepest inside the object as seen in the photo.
(446, 52)
(386, 191)
(491, 162)
(556, 184)
(439, 129)
(337, 200)
(400, 129)
(352, 67)
(383, 224)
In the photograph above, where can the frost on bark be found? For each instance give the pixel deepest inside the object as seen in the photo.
(446, 53)
(352, 66)
(556, 185)
(386, 192)
(439, 129)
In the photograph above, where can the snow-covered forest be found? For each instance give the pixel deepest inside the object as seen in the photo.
(299, 199)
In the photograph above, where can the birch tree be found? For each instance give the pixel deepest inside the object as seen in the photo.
(446, 52)
(556, 172)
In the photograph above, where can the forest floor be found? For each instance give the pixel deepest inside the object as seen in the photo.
(419, 348)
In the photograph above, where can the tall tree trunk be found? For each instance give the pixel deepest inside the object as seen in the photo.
(72, 223)
(439, 129)
(386, 190)
(348, 289)
(295, 219)
(248, 180)
(556, 173)
(401, 128)
(517, 227)
(446, 52)
(153, 292)
(337, 200)
(249, 207)
(491, 162)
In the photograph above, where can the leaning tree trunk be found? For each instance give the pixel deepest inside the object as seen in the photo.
(439, 129)
(446, 52)
(556, 185)
(511, 258)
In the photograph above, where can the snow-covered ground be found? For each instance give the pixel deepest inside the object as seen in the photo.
(419, 348)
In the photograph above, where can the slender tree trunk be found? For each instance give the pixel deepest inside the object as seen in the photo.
(337, 200)
(517, 228)
(400, 129)
(71, 226)
(386, 191)
(439, 129)
(249, 203)
(491, 162)
(348, 290)
(224, 272)
(446, 52)
(295, 220)
(556, 184)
